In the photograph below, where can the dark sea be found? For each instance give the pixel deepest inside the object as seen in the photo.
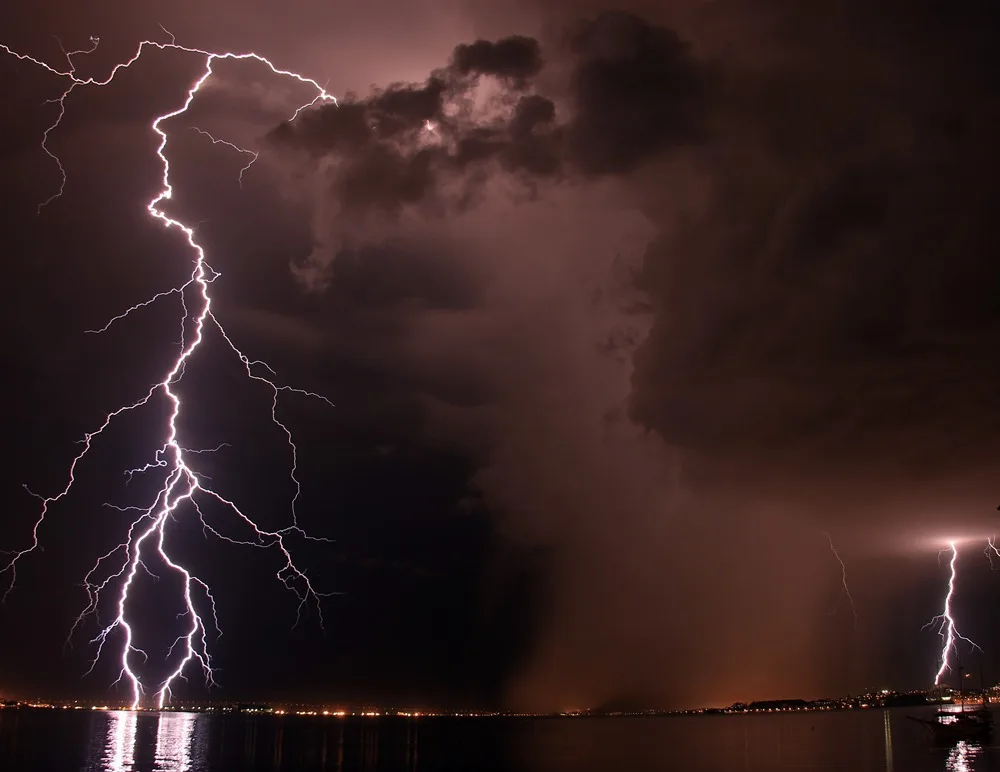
(858, 741)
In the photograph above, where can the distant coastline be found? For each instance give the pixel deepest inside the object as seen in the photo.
(875, 699)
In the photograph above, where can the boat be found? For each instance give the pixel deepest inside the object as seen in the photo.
(953, 726)
(966, 723)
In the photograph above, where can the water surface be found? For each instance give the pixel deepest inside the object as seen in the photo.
(854, 741)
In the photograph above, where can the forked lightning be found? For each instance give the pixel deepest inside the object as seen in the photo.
(944, 623)
(147, 537)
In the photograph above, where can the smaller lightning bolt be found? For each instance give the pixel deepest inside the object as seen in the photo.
(843, 578)
(991, 551)
(945, 621)
(253, 156)
(94, 43)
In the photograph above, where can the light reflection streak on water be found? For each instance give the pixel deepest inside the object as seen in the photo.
(174, 732)
(961, 757)
(174, 738)
(888, 740)
(119, 755)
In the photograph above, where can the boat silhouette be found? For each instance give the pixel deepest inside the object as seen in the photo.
(966, 723)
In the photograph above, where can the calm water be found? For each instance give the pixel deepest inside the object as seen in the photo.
(122, 742)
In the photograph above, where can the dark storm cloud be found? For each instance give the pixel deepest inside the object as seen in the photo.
(634, 91)
(400, 107)
(794, 320)
(823, 311)
(353, 125)
(517, 58)
(637, 91)
(402, 145)
(836, 296)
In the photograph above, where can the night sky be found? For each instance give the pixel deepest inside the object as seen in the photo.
(622, 306)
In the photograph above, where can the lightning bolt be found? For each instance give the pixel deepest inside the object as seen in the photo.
(944, 623)
(183, 489)
(237, 148)
(843, 578)
(991, 551)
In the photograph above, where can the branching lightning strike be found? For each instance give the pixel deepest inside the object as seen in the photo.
(944, 623)
(991, 551)
(182, 485)
(843, 579)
